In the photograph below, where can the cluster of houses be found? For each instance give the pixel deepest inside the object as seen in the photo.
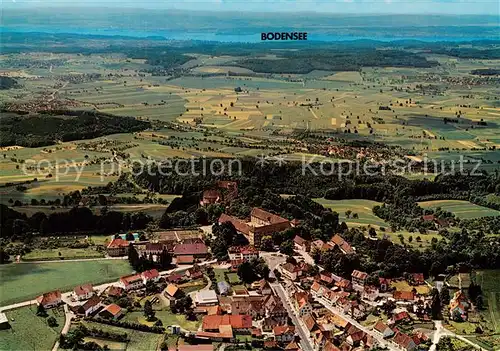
(187, 251)
(354, 299)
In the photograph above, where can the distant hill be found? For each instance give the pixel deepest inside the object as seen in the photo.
(48, 128)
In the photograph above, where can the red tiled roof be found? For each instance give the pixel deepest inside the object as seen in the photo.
(428, 217)
(236, 321)
(402, 340)
(49, 297)
(403, 295)
(190, 249)
(238, 224)
(401, 316)
(185, 259)
(115, 291)
(359, 275)
(418, 277)
(92, 302)
(299, 240)
(130, 279)
(309, 322)
(381, 326)
(151, 274)
(113, 309)
(83, 289)
(281, 329)
(118, 243)
(267, 216)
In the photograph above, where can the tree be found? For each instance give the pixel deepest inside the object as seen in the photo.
(435, 304)
(246, 273)
(40, 311)
(372, 232)
(266, 243)
(130, 237)
(479, 302)
(286, 247)
(348, 214)
(133, 257)
(52, 322)
(445, 295)
(4, 257)
(165, 259)
(149, 313)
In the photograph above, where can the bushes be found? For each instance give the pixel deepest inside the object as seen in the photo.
(130, 325)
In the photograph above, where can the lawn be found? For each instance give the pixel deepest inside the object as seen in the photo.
(30, 332)
(363, 208)
(24, 281)
(402, 285)
(461, 209)
(112, 345)
(62, 253)
(167, 318)
(139, 341)
(219, 275)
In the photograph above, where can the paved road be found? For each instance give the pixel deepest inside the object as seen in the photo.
(380, 339)
(305, 341)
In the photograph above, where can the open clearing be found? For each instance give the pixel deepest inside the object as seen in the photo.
(490, 284)
(25, 281)
(30, 332)
(363, 208)
(462, 209)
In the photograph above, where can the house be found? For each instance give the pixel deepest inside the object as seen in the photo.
(403, 295)
(416, 279)
(265, 288)
(171, 291)
(223, 287)
(152, 275)
(355, 339)
(278, 312)
(383, 329)
(261, 223)
(89, 307)
(310, 322)
(131, 282)
(459, 306)
(404, 341)
(344, 284)
(301, 302)
(400, 317)
(239, 323)
(301, 244)
(317, 244)
(112, 311)
(359, 277)
(188, 259)
(50, 299)
(83, 292)
(291, 271)
(206, 298)
(174, 278)
(317, 289)
(344, 246)
(284, 333)
(269, 323)
(327, 278)
(117, 247)
(210, 197)
(242, 253)
(197, 250)
(4, 321)
(115, 291)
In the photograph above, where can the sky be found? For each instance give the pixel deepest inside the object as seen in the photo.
(456, 7)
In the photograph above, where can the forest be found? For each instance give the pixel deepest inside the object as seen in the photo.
(46, 128)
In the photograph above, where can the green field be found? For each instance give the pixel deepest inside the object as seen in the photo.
(139, 341)
(362, 207)
(30, 332)
(24, 281)
(490, 284)
(62, 253)
(461, 209)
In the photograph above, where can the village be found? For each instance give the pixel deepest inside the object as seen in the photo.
(295, 305)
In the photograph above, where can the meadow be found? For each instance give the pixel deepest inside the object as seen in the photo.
(363, 208)
(30, 332)
(139, 341)
(490, 284)
(461, 209)
(25, 281)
